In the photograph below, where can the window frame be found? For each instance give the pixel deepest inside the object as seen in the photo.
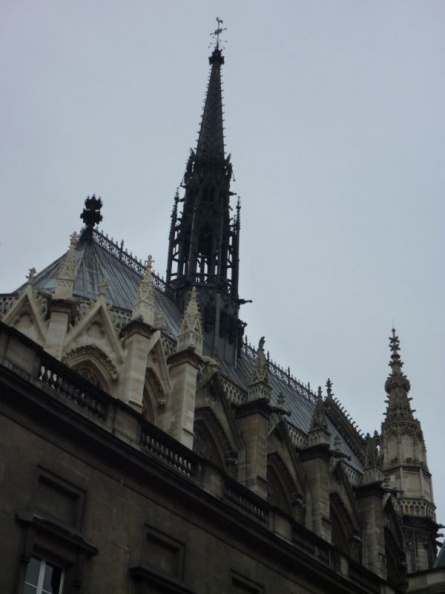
(43, 564)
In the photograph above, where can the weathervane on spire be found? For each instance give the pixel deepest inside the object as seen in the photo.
(217, 32)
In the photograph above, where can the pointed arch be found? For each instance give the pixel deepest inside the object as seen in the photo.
(344, 533)
(93, 364)
(394, 546)
(282, 490)
(153, 396)
(212, 441)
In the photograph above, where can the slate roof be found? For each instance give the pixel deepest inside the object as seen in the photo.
(100, 258)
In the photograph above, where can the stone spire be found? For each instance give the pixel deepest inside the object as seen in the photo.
(144, 307)
(210, 145)
(405, 466)
(67, 273)
(259, 386)
(397, 386)
(204, 236)
(191, 330)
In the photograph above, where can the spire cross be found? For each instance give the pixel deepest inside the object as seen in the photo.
(217, 32)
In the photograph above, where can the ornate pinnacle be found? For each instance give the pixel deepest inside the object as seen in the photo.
(31, 275)
(397, 386)
(396, 379)
(319, 417)
(191, 330)
(67, 273)
(144, 306)
(330, 393)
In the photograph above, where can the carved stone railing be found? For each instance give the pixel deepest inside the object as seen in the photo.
(245, 500)
(417, 507)
(314, 546)
(168, 450)
(233, 393)
(73, 387)
(297, 436)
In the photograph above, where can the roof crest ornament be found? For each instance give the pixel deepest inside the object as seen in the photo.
(91, 214)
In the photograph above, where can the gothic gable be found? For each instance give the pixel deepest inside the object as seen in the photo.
(28, 315)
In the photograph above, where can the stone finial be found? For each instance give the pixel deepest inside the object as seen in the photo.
(319, 432)
(372, 466)
(329, 391)
(260, 370)
(31, 275)
(319, 415)
(190, 335)
(67, 273)
(259, 386)
(144, 307)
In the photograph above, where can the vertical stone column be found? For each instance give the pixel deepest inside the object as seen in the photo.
(316, 464)
(180, 416)
(253, 423)
(61, 307)
(138, 339)
(184, 369)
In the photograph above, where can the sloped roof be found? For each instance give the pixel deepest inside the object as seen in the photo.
(99, 258)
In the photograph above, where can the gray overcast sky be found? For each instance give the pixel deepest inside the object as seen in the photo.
(335, 122)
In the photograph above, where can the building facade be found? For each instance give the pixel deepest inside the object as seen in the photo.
(147, 447)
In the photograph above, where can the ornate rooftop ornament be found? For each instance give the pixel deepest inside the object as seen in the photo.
(319, 433)
(319, 416)
(31, 275)
(91, 214)
(259, 386)
(191, 330)
(217, 32)
(67, 273)
(373, 461)
(144, 307)
(329, 391)
(260, 370)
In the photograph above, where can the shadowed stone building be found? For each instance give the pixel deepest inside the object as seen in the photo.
(146, 446)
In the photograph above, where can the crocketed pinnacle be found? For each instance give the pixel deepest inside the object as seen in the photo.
(319, 416)
(191, 329)
(397, 386)
(211, 135)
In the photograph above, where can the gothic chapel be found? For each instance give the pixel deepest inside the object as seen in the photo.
(146, 446)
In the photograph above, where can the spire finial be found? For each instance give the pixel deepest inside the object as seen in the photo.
(217, 32)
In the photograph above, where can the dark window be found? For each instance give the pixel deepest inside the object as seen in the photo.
(43, 577)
